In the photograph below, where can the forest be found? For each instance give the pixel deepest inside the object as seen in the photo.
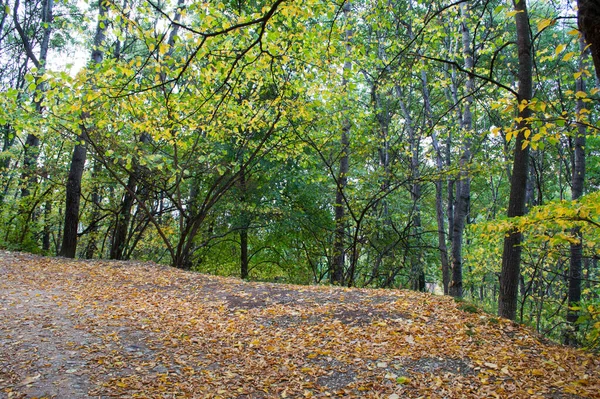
(442, 146)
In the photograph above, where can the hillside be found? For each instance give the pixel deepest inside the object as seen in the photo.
(78, 329)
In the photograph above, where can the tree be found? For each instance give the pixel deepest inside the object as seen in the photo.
(577, 185)
(511, 256)
(463, 184)
(73, 188)
(588, 17)
(31, 147)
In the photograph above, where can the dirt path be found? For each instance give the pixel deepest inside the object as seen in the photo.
(74, 329)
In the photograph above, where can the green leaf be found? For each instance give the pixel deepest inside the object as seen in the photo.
(402, 380)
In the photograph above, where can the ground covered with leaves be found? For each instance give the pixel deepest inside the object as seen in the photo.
(79, 329)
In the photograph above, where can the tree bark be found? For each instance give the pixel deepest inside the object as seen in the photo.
(588, 16)
(32, 142)
(73, 194)
(94, 228)
(417, 274)
(439, 186)
(463, 185)
(511, 256)
(577, 184)
(244, 252)
(339, 242)
(244, 225)
(119, 240)
(72, 202)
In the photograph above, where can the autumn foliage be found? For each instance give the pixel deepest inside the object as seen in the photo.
(140, 330)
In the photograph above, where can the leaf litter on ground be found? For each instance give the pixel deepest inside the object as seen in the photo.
(106, 329)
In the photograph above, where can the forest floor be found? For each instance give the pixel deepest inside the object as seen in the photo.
(105, 329)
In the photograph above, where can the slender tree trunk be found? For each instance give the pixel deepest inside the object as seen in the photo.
(245, 224)
(463, 185)
(439, 186)
(32, 142)
(577, 183)
(94, 227)
(244, 252)
(47, 224)
(118, 244)
(511, 256)
(73, 192)
(8, 139)
(417, 274)
(339, 242)
(118, 248)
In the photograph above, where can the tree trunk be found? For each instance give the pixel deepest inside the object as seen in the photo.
(589, 24)
(339, 244)
(417, 274)
(47, 223)
(463, 185)
(244, 252)
(94, 227)
(511, 256)
(439, 186)
(73, 194)
(244, 224)
(119, 241)
(72, 202)
(577, 181)
(31, 150)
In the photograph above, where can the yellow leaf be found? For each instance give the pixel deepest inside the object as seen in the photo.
(544, 23)
(560, 48)
(568, 56)
(581, 94)
(162, 48)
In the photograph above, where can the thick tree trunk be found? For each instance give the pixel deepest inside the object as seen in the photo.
(589, 25)
(577, 182)
(511, 256)
(72, 202)
(73, 194)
